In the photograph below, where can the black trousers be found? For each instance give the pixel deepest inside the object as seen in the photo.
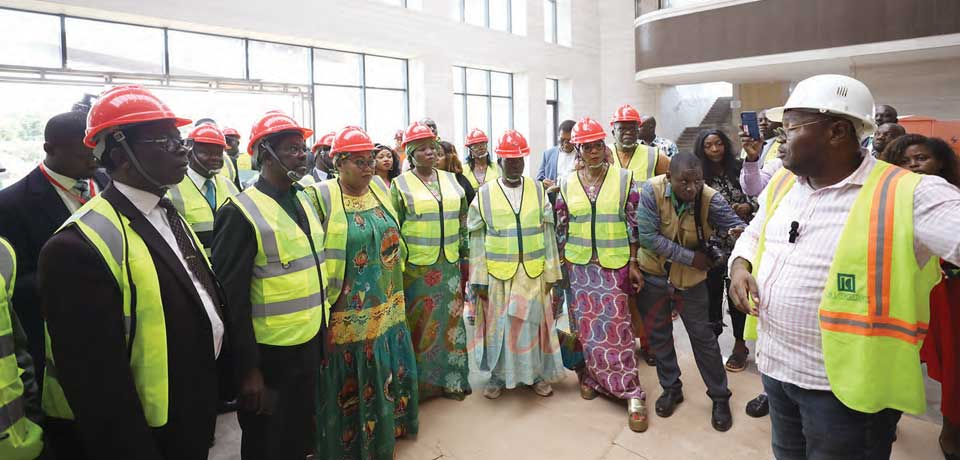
(290, 373)
(717, 281)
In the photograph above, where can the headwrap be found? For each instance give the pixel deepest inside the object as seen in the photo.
(414, 145)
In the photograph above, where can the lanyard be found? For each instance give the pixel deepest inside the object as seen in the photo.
(75, 196)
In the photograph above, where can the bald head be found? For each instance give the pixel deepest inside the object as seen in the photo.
(684, 161)
(63, 143)
(885, 114)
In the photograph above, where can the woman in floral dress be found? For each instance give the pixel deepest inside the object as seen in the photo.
(368, 392)
(432, 213)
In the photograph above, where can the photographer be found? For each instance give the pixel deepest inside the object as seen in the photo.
(676, 218)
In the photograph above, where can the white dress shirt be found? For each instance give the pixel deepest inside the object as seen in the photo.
(199, 180)
(69, 199)
(148, 204)
(565, 162)
(792, 276)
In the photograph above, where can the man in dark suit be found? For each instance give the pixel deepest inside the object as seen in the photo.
(132, 307)
(34, 207)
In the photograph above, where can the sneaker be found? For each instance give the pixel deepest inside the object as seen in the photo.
(492, 390)
(542, 388)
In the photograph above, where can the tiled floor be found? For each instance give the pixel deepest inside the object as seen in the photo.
(523, 426)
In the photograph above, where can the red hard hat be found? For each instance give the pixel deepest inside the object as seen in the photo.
(587, 130)
(476, 136)
(207, 134)
(351, 139)
(274, 122)
(125, 105)
(512, 145)
(626, 112)
(230, 132)
(325, 141)
(415, 132)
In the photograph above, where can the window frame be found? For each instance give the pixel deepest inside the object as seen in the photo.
(554, 105)
(462, 4)
(552, 4)
(465, 94)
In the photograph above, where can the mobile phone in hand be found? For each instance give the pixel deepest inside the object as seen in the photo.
(749, 122)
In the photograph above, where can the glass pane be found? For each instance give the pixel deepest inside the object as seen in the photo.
(274, 62)
(393, 2)
(477, 81)
(458, 79)
(336, 107)
(500, 84)
(549, 21)
(551, 127)
(95, 45)
(385, 72)
(458, 124)
(386, 113)
(473, 13)
(203, 55)
(500, 15)
(478, 115)
(552, 89)
(336, 67)
(502, 109)
(29, 39)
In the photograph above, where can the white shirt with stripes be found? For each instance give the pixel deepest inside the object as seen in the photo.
(792, 276)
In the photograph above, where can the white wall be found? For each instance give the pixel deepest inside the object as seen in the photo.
(429, 38)
(930, 88)
(682, 106)
(618, 64)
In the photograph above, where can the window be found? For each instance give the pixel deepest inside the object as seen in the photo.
(278, 63)
(492, 14)
(482, 99)
(30, 39)
(362, 90)
(550, 21)
(111, 47)
(205, 55)
(553, 111)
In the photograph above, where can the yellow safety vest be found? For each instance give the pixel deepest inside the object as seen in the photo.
(429, 224)
(493, 172)
(129, 260)
(286, 290)
(193, 206)
(771, 154)
(875, 307)
(20, 438)
(328, 197)
(513, 236)
(643, 162)
(228, 171)
(682, 229)
(600, 225)
(244, 162)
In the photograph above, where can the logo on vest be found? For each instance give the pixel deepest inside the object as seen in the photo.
(846, 283)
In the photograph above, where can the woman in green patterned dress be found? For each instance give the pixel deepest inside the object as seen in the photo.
(433, 211)
(368, 392)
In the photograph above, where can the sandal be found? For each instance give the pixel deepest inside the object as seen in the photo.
(637, 415)
(737, 361)
(587, 393)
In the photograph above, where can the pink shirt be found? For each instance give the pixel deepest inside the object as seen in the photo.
(792, 276)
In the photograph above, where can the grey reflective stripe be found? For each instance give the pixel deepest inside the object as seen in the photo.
(199, 227)
(335, 254)
(177, 197)
(322, 192)
(107, 232)
(919, 331)
(624, 188)
(335, 283)
(608, 218)
(404, 188)
(287, 306)
(6, 267)
(434, 216)
(485, 204)
(11, 413)
(881, 242)
(421, 241)
(652, 156)
(273, 269)
(268, 237)
(6, 345)
(539, 191)
(600, 243)
(512, 232)
(497, 257)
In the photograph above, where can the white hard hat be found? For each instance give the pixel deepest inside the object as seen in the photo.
(837, 95)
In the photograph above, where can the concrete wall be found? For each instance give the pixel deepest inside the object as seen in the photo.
(617, 64)
(930, 88)
(682, 106)
(759, 96)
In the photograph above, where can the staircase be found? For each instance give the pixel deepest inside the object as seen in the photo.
(718, 117)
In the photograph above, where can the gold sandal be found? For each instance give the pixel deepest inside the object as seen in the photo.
(637, 415)
(587, 393)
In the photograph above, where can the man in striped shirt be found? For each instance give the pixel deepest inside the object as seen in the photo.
(824, 120)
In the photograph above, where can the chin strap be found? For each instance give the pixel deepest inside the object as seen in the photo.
(122, 140)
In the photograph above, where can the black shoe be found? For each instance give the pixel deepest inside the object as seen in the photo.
(758, 407)
(648, 357)
(668, 401)
(225, 407)
(721, 419)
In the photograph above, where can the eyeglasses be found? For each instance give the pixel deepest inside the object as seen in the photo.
(593, 146)
(793, 128)
(363, 163)
(167, 143)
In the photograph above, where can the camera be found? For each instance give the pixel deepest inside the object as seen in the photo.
(713, 248)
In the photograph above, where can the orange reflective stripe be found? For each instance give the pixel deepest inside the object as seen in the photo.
(877, 330)
(850, 318)
(880, 241)
(781, 185)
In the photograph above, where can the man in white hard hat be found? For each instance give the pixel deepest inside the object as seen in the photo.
(838, 265)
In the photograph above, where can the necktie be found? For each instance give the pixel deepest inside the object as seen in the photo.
(190, 254)
(210, 193)
(82, 188)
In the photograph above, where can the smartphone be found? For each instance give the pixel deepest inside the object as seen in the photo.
(749, 122)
